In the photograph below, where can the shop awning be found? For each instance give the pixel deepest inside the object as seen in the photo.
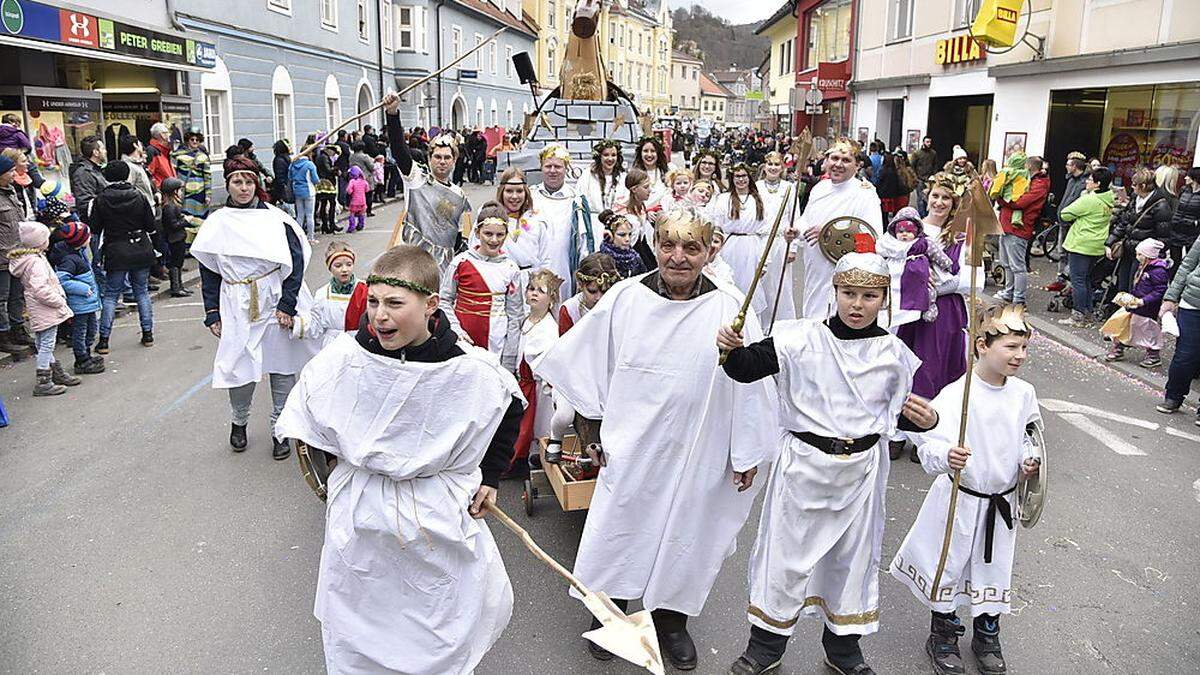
(1137, 56)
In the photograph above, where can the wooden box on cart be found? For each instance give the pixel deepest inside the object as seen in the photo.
(573, 495)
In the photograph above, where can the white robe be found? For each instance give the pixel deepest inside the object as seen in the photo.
(821, 530)
(556, 211)
(599, 199)
(528, 245)
(776, 265)
(326, 319)
(409, 582)
(827, 201)
(665, 513)
(745, 238)
(536, 338)
(243, 245)
(996, 437)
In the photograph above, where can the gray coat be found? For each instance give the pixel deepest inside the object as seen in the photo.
(86, 182)
(364, 161)
(12, 212)
(1186, 285)
(1071, 192)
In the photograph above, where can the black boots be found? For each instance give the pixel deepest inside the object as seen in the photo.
(9, 343)
(102, 345)
(237, 437)
(895, 449)
(177, 289)
(147, 338)
(281, 450)
(763, 654)
(985, 643)
(90, 366)
(842, 653)
(600, 653)
(942, 645)
(677, 645)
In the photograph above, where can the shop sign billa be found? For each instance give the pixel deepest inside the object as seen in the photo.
(958, 49)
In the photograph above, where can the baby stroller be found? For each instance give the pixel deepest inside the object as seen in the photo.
(488, 171)
(1103, 284)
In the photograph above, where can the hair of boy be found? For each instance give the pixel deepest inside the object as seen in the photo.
(549, 282)
(494, 212)
(684, 225)
(88, 146)
(599, 269)
(1103, 178)
(408, 267)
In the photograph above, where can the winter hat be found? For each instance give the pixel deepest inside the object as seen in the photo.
(6, 164)
(1150, 248)
(171, 184)
(116, 171)
(75, 233)
(35, 235)
(959, 152)
(52, 188)
(337, 249)
(356, 172)
(52, 210)
(906, 215)
(241, 164)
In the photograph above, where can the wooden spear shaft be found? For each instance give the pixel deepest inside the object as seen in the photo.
(333, 132)
(740, 320)
(783, 271)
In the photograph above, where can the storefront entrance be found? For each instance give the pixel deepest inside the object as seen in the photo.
(960, 120)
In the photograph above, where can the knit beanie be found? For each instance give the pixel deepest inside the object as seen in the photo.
(116, 171)
(6, 164)
(1150, 248)
(337, 249)
(75, 233)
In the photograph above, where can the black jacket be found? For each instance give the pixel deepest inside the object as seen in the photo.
(173, 224)
(86, 182)
(325, 167)
(119, 214)
(280, 191)
(1133, 226)
(889, 183)
(1185, 223)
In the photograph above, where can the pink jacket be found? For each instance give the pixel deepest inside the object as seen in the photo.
(357, 189)
(45, 298)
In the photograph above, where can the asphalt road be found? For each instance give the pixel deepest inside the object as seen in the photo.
(133, 541)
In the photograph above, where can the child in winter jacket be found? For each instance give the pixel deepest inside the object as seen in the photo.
(1149, 285)
(71, 259)
(175, 224)
(357, 190)
(380, 180)
(46, 302)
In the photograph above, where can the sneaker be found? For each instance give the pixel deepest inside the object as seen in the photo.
(102, 346)
(88, 367)
(147, 339)
(1002, 297)
(1168, 406)
(1151, 361)
(1115, 353)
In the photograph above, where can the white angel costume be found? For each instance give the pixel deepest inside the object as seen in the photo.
(409, 582)
(570, 236)
(745, 237)
(665, 512)
(978, 570)
(827, 201)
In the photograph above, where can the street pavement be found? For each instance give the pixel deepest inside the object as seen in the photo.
(133, 541)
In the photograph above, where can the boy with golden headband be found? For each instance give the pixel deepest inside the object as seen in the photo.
(410, 580)
(844, 389)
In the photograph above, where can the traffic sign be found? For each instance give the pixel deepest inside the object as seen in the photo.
(814, 97)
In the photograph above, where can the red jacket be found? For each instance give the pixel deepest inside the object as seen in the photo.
(160, 167)
(1029, 204)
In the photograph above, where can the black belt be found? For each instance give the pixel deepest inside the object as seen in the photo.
(996, 504)
(838, 446)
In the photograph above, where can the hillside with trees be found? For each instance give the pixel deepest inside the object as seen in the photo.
(724, 43)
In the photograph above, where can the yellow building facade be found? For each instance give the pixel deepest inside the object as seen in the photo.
(635, 37)
(781, 29)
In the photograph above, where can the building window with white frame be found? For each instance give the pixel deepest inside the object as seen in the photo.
(329, 14)
(216, 124)
(551, 48)
(492, 55)
(508, 67)
(406, 28)
(333, 108)
(281, 6)
(495, 114)
(455, 42)
(364, 25)
(385, 22)
(478, 53)
(509, 114)
(965, 12)
(900, 19)
(283, 117)
(551, 14)
(828, 33)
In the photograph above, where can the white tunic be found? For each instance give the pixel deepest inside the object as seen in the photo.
(557, 209)
(536, 338)
(996, 436)
(249, 249)
(409, 582)
(819, 538)
(326, 319)
(599, 196)
(665, 513)
(528, 244)
(852, 197)
(745, 238)
(772, 196)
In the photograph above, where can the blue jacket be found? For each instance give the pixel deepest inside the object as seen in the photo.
(303, 175)
(75, 273)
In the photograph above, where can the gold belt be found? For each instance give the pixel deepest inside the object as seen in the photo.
(252, 282)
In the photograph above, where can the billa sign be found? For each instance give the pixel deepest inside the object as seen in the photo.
(960, 49)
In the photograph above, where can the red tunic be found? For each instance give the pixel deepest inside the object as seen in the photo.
(473, 304)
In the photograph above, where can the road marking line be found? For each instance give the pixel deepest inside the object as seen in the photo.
(1172, 431)
(1055, 405)
(1196, 487)
(1106, 437)
(186, 395)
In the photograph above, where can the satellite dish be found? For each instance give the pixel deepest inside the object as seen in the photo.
(1039, 49)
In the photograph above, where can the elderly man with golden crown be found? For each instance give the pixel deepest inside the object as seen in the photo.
(680, 459)
(567, 215)
(833, 202)
(438, 218)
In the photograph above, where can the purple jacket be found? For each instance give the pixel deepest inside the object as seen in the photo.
(12, 137)
(1150, 287)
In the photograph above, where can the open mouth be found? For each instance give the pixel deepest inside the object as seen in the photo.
(386, 334)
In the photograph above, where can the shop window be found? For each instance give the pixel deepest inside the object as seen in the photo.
(329, 14)
(900, 19)
(216, 124)
(1147, 126)
(828, 33)
(965, 12)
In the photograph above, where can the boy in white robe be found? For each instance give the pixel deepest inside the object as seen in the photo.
(410, 579)
(841, 194)
(844, 388)
(680, 457)
(339, 304)
(978, 569)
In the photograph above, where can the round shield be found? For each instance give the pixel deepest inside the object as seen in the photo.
(838, 236)
(1031, 492)
(315, 466)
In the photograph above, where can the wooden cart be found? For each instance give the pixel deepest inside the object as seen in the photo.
(573, 495)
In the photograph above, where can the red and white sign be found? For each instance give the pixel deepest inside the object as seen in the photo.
(79, 29)
(832, 78)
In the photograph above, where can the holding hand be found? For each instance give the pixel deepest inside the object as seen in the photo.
(1168, 307)
(1030, 467)
(486, 493)
(596, 454)
(285, 320)
(919, 412)
(728, 339)
(957, 458)
(391, 103)
(790, 234)
(215, 329)
(744, 479)
(811, 235)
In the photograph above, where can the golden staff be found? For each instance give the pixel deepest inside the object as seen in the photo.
(977, 219)
(333, 132)
(783, 271)
(740, 320)
(801, 150)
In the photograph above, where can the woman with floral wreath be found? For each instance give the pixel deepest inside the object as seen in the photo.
(603, 183)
